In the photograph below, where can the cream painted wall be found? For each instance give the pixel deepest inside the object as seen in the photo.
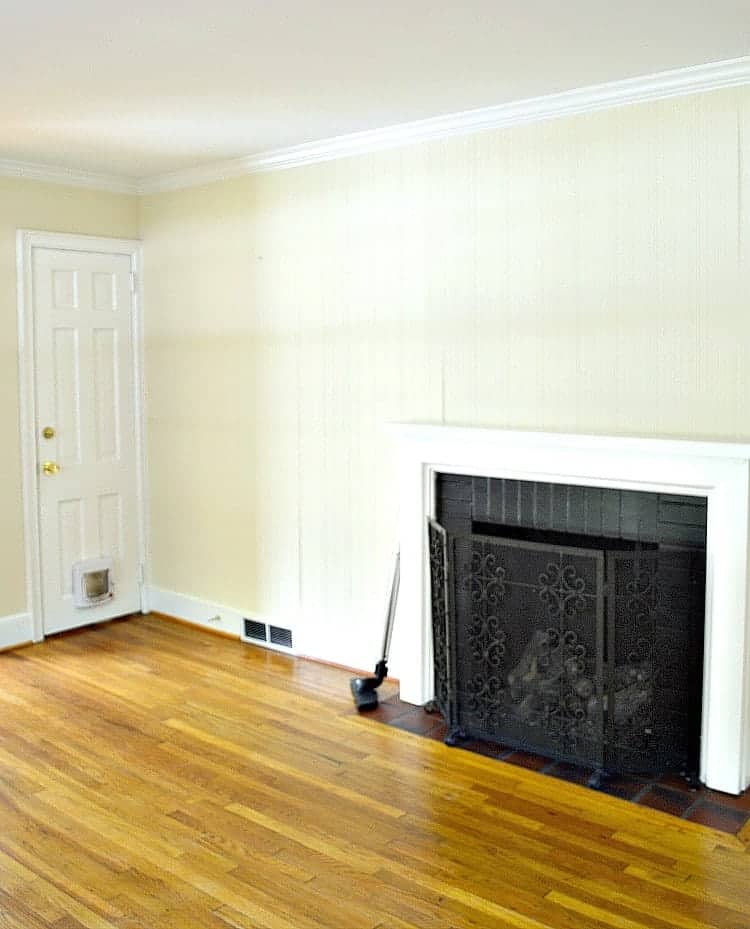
(587, 275)
(31, 205)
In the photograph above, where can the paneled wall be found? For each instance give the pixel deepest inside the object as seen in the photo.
(31, 205)
(588, 274)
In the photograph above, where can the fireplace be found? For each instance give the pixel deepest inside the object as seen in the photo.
(716, 473)
(568, 620)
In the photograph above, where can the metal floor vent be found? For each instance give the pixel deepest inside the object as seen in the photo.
(270, 636)
(280, 636)
(255, 630)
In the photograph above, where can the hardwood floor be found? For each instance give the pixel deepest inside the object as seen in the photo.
(155, 777)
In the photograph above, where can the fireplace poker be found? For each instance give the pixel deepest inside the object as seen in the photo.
(365, 689)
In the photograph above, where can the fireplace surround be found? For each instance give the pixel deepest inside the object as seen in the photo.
(718, 472)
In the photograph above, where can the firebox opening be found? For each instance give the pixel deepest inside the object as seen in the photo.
(569, 620)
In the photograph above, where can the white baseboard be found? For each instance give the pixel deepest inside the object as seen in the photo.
(16, 630)
(207, 614)
(203, 613)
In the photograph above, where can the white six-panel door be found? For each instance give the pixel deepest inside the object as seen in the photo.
(87, 457)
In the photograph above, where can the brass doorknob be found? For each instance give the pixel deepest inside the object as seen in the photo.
(50, 467)
(48, 432)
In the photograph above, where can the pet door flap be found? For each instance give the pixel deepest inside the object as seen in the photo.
(93, 582)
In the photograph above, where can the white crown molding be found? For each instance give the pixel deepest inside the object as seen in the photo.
(69, 177)
(680, 82)
(697, 79)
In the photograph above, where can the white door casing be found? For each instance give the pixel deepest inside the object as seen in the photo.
(80, 369)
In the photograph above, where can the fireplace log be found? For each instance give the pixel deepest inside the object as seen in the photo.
(544, 677)
(633, 692)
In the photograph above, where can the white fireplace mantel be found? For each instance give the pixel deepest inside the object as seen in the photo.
(717, 471)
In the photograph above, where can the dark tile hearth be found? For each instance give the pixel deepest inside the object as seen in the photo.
(670, 794)
(418, 722)
(569, 772)
(624, 787)
(527, 760)
(675, 802)
(718, 816)
(488, 749)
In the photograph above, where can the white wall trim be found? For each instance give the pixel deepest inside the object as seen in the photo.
(693, 80)
(26, 425)
(719, 471)
(142, 477)
(207, 614)
(26, 240)
(70, 177)
(679, 82)
(15, 630)
(194, 610)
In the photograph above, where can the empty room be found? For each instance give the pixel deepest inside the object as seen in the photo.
(376, 479)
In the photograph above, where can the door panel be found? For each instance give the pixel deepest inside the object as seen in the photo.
(106, 395)
(85, 390)
(65, 372)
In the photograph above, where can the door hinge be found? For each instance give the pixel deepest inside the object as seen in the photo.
(133, 282)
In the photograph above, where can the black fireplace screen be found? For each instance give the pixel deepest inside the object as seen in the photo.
(582, 654)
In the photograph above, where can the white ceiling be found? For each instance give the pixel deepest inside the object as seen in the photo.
(156, 86)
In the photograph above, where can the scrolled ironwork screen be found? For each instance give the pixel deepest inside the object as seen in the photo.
(569, 651)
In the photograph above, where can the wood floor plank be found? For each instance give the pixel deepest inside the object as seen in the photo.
(153, 777)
